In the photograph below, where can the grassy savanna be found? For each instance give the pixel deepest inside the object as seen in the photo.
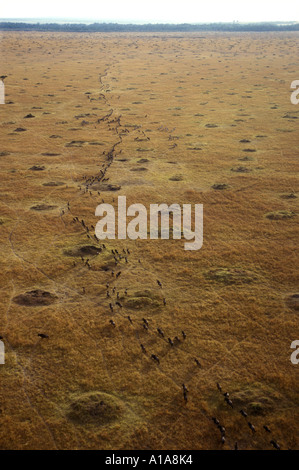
(160, 118)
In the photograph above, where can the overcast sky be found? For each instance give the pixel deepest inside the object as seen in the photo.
(157, 11)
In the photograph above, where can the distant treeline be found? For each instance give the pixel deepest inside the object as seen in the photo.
(116, 27)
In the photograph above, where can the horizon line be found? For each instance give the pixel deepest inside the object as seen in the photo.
(141, 23)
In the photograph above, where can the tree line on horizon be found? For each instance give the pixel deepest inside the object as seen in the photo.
(117, 27)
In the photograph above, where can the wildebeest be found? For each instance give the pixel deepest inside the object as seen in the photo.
(161, 333)
(221, 429)
(229, 402)
(155, 358)
(275, 445)
(43, 336)
(112, 323)
(243, 413)
(251, 427)
(216, 421)
(267, 429)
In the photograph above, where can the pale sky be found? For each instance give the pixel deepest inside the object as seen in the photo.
(156, 11)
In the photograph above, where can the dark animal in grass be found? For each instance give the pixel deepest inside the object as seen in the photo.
(155, 358)
(142, 348)
(221, 429)
(197, 362)
(219, 387)
(43, 336)
(275, 445)
(229, 402)
(161, 333)
(112, 323)
(159, 283)
(267, 429)
(243, 413)
(251, 427)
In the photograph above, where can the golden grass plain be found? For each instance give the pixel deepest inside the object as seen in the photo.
(165, 115)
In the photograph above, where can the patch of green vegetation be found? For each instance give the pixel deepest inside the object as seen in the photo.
(145, 298)
(279, 215)
(230, 276)
(95, 408)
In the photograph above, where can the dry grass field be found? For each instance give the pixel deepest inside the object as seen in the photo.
(194, 118)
